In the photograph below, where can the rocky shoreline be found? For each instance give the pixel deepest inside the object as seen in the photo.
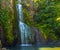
(1, 46)
(4, 49)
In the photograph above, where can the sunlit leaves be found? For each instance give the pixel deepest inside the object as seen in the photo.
(35, 1)
(28, 4)
(58, 19)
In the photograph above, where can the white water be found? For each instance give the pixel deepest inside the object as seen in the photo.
(24, 29)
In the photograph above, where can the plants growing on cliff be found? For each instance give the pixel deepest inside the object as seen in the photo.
(46, 17)
(5, 21)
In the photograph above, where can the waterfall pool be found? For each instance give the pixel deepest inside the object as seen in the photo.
(24, 48)
(34, 48)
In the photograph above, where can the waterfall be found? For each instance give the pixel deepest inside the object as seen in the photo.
(25, 30)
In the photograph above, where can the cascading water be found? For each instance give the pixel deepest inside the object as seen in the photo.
(26, 36)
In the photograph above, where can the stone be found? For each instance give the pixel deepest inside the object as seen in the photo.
(4, 49)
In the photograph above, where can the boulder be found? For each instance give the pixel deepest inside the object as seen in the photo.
(4, 49)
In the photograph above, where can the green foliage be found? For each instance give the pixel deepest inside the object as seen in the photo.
(5, 21)
(27, 17)
(46, 18)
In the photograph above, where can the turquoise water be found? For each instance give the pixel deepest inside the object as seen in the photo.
(33, 47)
(24, 48)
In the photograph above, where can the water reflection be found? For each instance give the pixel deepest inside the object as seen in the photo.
(24, 48)
(35, 48)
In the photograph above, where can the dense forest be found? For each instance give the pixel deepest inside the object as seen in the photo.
(44, 15)
(40, 15)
